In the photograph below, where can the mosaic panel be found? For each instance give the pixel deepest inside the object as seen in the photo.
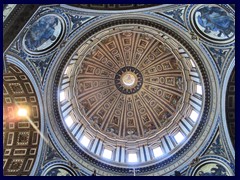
(43, 34)
(58, 172)
(214, 23)
(212, 169)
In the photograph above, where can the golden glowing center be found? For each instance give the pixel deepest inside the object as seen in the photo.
(22, 112)
(128, 79)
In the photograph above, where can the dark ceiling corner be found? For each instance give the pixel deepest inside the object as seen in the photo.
(16, 21)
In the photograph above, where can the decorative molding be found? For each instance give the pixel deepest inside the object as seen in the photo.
(213, 57)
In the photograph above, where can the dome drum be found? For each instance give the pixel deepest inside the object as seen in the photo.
(166, 107)
(147, 106)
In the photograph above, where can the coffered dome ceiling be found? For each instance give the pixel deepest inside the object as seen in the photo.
(129, 89)
(130, 86)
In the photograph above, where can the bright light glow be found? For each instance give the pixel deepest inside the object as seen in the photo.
(69, 121)
(85, 141)
(193, 65)
(107, 154)
(179, 137)
(66, 71)
(22, 112)
(132, 157)
(128, 79)
(194, 115)
(62, 96)
(157, 152)
(199, 89)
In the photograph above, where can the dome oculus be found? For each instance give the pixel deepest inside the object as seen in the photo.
(128, 80)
